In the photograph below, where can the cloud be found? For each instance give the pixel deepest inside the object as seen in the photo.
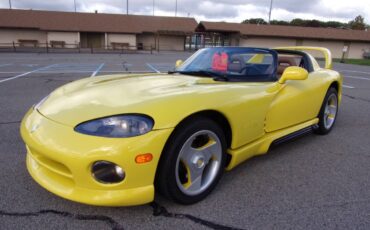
(213, 10)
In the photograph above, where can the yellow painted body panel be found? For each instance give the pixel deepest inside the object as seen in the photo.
(299, 101)
(168, 99)
(60, 159)
(262, 145)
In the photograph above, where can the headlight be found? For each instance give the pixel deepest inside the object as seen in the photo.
(117, 126)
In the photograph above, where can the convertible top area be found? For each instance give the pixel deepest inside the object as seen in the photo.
(324, 51)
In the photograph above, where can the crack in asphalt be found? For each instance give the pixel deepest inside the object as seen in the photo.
(159, 210)
(108, 220)
(356, 98)
(9, 122)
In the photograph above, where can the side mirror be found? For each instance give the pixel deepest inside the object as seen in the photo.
(179, 63)
(293, 73)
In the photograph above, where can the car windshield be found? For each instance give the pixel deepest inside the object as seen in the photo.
(232, 64)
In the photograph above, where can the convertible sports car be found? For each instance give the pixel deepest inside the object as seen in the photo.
(115, 140)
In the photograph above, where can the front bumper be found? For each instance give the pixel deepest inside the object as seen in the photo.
(60, 160)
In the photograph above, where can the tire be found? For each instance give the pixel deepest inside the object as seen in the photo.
(195, 149)
(328, 113)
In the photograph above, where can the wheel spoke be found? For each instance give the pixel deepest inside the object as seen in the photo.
(195, 179)
(210, 150)
(332, 109)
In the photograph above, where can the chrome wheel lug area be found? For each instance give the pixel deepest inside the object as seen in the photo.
(198, 161)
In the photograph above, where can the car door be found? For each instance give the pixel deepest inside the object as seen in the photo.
(296, 101)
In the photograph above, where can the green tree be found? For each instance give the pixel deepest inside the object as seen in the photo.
(298, 22)
(334, 24)
(255, 21)
(358, 23)
(279, 22)
(314, 23)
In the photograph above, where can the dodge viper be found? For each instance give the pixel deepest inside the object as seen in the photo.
(116, 140)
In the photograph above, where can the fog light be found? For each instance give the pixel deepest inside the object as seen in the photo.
(107, 172)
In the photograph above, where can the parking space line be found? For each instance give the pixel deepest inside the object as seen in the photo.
(2, 65)
(152, 68)
(27, 73)
(348, 86)
(360, 78)
(97, 70)
(354, 71)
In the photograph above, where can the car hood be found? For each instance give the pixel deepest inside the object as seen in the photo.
(153, 95)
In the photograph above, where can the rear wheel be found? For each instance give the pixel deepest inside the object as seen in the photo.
(192, 162)
(328, 113)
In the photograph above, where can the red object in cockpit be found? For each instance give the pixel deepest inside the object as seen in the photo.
(219, 62)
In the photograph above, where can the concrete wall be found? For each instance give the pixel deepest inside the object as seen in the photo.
(9, 36)
(122, 38)
(336, 47)
(147, 40)
(170, 42)
(163, 42)
(356, 49)
(266, 42)
(71, 39)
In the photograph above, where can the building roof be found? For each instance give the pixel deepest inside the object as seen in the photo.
(94, 22)
(285, 31)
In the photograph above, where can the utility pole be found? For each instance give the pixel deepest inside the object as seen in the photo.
(127, 7)
(270, 11)
(176, 9)
(153, 7)
(10, 4)
(75, 5)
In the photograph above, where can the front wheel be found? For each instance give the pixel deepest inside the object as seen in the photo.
(192, 162)
(328, 113)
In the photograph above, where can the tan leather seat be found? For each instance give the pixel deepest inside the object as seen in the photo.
(285, 62)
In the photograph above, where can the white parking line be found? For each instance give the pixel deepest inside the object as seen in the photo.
(360, 78)
(2, 65)
(354, 71)
(348, 86)
(97, 70)
(27, 73)
(152, 68)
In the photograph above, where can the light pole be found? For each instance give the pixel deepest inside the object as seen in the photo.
(10, 4)
(176, 9)
(75, 5)
(153, 7)
(270, 11)
(127, 7)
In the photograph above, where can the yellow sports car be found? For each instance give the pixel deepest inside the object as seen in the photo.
(115, 140)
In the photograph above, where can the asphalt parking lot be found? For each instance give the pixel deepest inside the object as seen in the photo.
(315, 182)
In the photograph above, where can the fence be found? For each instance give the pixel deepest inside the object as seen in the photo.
(61, 47)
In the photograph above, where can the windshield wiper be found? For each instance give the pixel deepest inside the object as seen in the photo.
(200, 73)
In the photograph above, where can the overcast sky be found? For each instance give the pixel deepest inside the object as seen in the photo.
(213, 10)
